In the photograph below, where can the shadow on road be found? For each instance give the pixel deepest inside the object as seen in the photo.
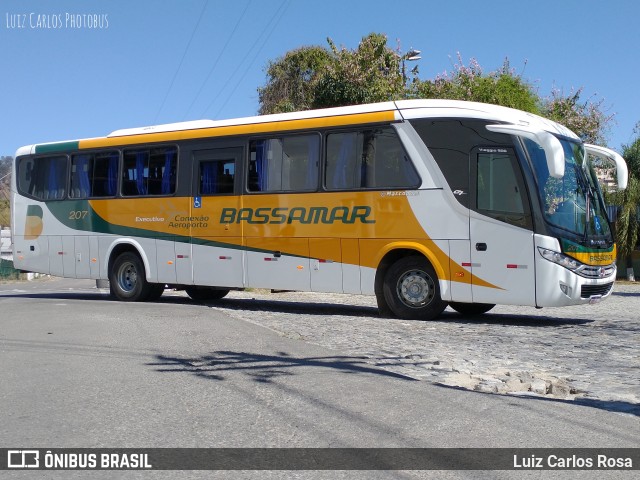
(87, 295)
(265, 368)
(320, 309)
(71, 295)
(306, 308)
(324, 309)
(609, 405)
(510, 319)
(626, 294)
(262, 368)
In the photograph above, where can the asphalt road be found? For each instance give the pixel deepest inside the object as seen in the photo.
(79, 370)
(587, 353)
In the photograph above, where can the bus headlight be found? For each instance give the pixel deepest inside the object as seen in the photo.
(561, 259)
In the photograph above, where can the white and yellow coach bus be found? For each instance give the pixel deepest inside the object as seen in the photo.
(422, 203)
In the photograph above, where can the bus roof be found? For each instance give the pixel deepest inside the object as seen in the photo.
(329, 117)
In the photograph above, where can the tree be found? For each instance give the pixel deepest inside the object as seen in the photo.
(467, 82)
(627, 223)
(292, 79)
(5, 186)
(586, 118)
(319, 77)
(370, 73)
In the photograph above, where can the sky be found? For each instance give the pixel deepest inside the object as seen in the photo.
(75, 69)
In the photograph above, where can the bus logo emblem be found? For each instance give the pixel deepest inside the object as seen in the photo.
(33, 222)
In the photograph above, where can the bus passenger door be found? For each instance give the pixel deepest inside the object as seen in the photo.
(501, 232)
(278, 261)
(326, 265)
(218, 259)
(277, 254)
(276, 211)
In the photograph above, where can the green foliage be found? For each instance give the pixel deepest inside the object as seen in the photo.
(5, 168)
(5, 216)
(292, 80)
(586, 118)
(467, 82)
(627, 223)
(631, 154)
(370, 73)
(318, 77)
(5, 186)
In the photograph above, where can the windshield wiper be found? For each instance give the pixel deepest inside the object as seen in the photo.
(585, 187)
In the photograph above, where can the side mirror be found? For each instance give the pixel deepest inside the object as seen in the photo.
(622, 172)
(551, 145)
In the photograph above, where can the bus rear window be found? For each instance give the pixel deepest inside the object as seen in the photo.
(43, 178)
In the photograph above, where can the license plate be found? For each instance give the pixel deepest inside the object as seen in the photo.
(595, 299)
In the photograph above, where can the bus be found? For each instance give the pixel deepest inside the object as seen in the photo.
(422, 203)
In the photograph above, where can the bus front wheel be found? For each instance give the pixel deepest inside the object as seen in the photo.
(127, 278)
(411, 289)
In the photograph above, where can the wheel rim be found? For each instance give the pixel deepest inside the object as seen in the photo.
(416, 289)
(127, 277)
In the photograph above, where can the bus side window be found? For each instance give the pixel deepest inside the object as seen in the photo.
(500, 191)
(105, 174)
(94, 174)
(368, 158)
(288, 164)
(80, 182)
(217, 176)
(149, 172)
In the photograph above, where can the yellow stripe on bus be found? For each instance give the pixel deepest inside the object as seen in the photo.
(279, 223)
(251, 129)
(595, 258)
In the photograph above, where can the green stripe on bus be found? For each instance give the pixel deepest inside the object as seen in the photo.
(93, 223)
(57, 147)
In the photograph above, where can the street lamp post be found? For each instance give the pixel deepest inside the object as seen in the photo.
(411, 56)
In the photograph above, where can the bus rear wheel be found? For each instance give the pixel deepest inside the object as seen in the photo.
(202, 294)
(127, 279)
(411, 289)
(471, 308)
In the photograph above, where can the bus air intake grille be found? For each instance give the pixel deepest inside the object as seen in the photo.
(590, 290)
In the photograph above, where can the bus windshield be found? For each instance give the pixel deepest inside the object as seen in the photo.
(574, 202)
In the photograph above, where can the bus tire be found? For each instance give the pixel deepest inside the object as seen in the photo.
(383, 307)
(471, 308)
(411, 289)
(127, 279)
(202, 294)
